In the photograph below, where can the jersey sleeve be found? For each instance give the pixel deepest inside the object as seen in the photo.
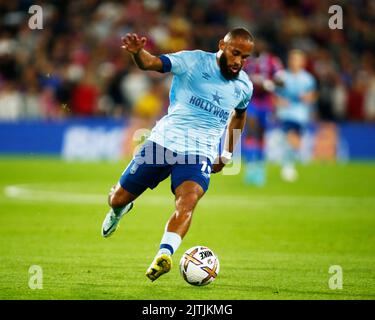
(310, 83)
(179, 62)
(277, 65)
(246, 97)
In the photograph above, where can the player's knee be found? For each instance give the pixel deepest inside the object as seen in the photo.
(113, 201)
(116, 200)
(110, 194)
(119, 197)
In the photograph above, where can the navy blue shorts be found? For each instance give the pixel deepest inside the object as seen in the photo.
(288, 126)
(154, 163)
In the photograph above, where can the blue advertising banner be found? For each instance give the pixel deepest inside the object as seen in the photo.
(360, 139)
(103, 138)
(93, 138)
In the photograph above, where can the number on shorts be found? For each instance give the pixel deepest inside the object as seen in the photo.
(205, 167)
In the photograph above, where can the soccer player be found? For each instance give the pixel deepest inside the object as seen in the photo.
(209, 91)
(294, 102)
(262, 71)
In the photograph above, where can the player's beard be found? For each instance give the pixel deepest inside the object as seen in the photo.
(225, 70)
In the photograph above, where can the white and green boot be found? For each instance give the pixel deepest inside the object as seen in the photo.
(112, 219)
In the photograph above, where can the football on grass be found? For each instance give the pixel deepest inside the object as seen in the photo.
(199, 266)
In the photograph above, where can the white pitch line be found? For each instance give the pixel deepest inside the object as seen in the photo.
(23, 192)
(35, 193)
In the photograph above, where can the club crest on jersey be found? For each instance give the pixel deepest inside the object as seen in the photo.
(237, 92)
(206, 76)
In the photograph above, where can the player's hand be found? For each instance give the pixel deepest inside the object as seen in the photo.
(218, 165)
(308, 97)
(282, 102)
(133, 43)
(269, 85)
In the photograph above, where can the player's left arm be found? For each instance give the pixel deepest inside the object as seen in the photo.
(235, 127)
(276, 79)
(311, 95)
(134, 44)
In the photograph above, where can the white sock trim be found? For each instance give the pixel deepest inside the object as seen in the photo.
(170, 242)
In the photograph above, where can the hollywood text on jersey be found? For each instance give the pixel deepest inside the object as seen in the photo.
(210, 107)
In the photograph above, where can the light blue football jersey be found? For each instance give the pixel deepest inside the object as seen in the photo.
(295, 85)
(201, 101)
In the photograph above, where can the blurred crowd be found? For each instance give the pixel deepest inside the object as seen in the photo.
(75, 66)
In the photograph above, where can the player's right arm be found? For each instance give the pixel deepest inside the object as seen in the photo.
(142, 58)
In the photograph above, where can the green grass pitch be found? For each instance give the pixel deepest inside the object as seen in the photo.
(277, 242)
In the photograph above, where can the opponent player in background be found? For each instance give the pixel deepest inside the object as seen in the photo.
(209, 91)
(294, 102)
(262, 71)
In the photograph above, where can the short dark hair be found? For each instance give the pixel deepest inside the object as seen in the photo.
(239, 32)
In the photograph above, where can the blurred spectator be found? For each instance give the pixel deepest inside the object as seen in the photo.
(135, 84)
(147, 109)
(356, 97)
(370, 100)
(85, 96)
(11, 106)
(150, 104)
(78, 67)
(326, 143)
(31, 94)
